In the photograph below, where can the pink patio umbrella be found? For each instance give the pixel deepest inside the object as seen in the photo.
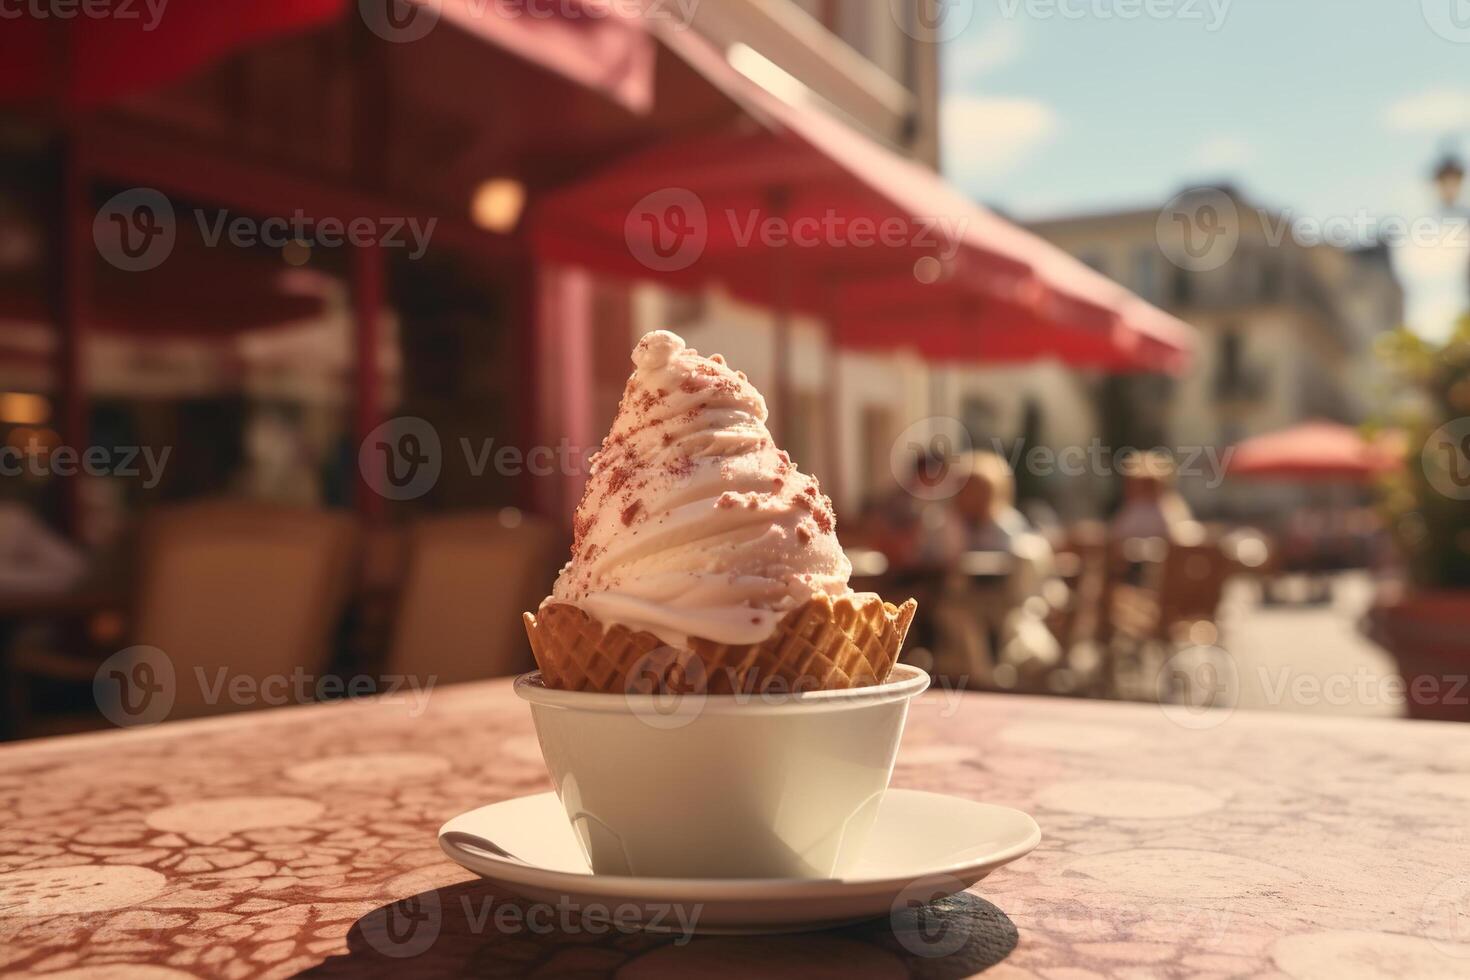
(1320, 451)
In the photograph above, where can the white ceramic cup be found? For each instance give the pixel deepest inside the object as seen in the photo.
(722, 786)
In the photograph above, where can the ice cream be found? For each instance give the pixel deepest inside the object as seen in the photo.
(693, 523)
(695, 528)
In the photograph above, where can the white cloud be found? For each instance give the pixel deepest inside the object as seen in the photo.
(1433, 314)
(1433, 110)
(1222, 153)
(980, 52)
(986, 138)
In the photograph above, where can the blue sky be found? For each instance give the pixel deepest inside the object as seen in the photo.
(1324, 107)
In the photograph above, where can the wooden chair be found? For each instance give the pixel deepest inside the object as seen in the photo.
(469, 579)
(226, 590)
(1192, 583)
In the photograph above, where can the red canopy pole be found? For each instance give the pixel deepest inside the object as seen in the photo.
(70, 288)
(368, 274)
(835, 476)
(777, 200)
(369, 143)
(526, 303)
(565, 380)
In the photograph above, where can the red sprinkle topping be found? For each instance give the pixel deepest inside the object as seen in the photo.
(618, 479)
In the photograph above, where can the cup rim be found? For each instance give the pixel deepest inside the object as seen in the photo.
(905, 682)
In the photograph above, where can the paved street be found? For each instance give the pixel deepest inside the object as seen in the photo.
(1309, 658)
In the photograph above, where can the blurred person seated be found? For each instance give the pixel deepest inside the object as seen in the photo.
(1044, 519)
(1151, 507)
(34, 558)
(279, 466)
(911, 525)
(995, 610)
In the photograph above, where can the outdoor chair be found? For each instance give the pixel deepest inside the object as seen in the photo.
(469, 579)
(240, 599)
(1192, 583)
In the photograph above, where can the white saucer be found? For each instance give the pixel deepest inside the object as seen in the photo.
(924, 846)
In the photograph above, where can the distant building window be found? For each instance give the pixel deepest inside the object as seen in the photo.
(683, 309)
(1271, 279)
(1095, 261)
(980, 419)
(1247, 268)
(1236, 379)
(1232, 356)
(1146, 273)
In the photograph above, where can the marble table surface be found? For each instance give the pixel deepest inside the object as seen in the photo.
(1177, 843)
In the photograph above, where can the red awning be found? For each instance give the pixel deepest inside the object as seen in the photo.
(1323, 451)
(199, 293)
(880, 246)
(1001, 335)
(79, 61)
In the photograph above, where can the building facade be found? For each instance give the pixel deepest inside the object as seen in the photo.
(1287, 323)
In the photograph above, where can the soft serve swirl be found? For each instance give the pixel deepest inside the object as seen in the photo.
(693, 523)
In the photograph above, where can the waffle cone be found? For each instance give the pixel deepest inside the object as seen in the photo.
(824, 644)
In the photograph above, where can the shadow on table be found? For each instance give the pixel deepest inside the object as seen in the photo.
(464, 930)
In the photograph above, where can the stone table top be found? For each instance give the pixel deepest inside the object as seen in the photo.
(1175, 844)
